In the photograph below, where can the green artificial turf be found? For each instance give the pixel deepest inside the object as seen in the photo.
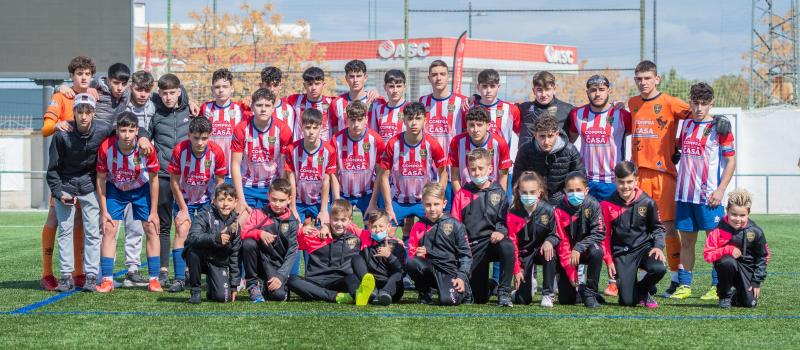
(134, 318)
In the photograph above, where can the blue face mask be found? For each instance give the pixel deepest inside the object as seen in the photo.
(480, 180)
(529, 200)
(378, 236)
(576, 198)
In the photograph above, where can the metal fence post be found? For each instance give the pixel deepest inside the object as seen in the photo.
(767, 194)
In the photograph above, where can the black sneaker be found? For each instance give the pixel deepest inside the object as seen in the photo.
(195, 297)
(725, 303)
(255, 293)
(590, 299)
(425, 298)
(492, 284)
(504, 300)
(163, 278)
(178, 285)
(90, 285)
(65, 284)
(382, 299)
(134, 279)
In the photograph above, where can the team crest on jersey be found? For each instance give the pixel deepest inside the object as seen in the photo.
(587, 213)
(494, 198)
(501, 113)
(451, 107)
(544, 219)
(642, 211)
(320, 160)
(447, 228)
(284, 227)
(234, 227)
(249, 139)
(352, 242)
(657, 108)
(271, 140)
(208, 163)
(707, 132)
(285, 114)
(400, 115)
(365, 146)
(491, 152)
(610, 120)
(423, 153)
(751, 236)
(136, 161)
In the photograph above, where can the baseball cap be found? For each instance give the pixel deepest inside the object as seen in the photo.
(84, 99)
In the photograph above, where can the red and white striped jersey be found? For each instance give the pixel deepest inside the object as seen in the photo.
(285, 113)
(462, 144)
(505, 121)
(197, 173)
(223, 120)
(702, 160)
(300, 103)
(387, 120)
(445, 118)
(412, 166)
(310, 169)
(261, 150)
(338, 110)
(356, 160)
(602, 139)
(126, 171)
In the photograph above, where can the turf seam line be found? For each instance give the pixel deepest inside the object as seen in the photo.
(405, 315)
(54, 299)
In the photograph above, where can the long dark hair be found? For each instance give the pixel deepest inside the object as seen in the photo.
(525, 177)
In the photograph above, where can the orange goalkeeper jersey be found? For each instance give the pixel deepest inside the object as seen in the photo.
(655, 127)
(60, 108)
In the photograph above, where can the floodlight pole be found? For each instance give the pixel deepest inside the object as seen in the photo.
(169, 35)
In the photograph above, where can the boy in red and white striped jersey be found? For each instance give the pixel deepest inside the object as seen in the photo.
(223, 112)
(272, 80)
(256, 153)
(478, 136)
(126, 176)
(312, 98)
(355, 74)
(410, 160)
(197, 166)
(386, 116)
(357, 149)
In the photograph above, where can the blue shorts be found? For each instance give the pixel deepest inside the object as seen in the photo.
(193, 208)
(362, 203)
(690, 217)
(255, 198)
(448, 194)
(307, 210)
(405, 210)
(510, 190)
(117, 200)
(602, 190)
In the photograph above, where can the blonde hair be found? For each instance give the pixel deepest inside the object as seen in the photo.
(341, 207)
(740, 197)
(433, 189)
(479, 153)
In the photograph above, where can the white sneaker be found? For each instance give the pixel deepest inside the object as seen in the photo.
(547, 301)
(533, 281)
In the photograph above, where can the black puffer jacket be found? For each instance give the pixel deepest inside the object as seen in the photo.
(553, 167)
(205, 236)
(168, 127)
(530, 111)
(73, 158)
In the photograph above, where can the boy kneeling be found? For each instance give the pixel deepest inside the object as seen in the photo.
(269, 245)
(213, 248)
(329, 272)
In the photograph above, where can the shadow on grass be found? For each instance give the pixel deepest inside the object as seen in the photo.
(696, 306)
(34, 285)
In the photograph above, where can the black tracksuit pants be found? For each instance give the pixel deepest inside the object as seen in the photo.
(525, 293)
(593, 259)
(732, 274)
(426, 277)
(632, 291)
(323, 287)
(258, 268)
(217, 277)
(392, 284)
(164, 209)
(502, 251)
